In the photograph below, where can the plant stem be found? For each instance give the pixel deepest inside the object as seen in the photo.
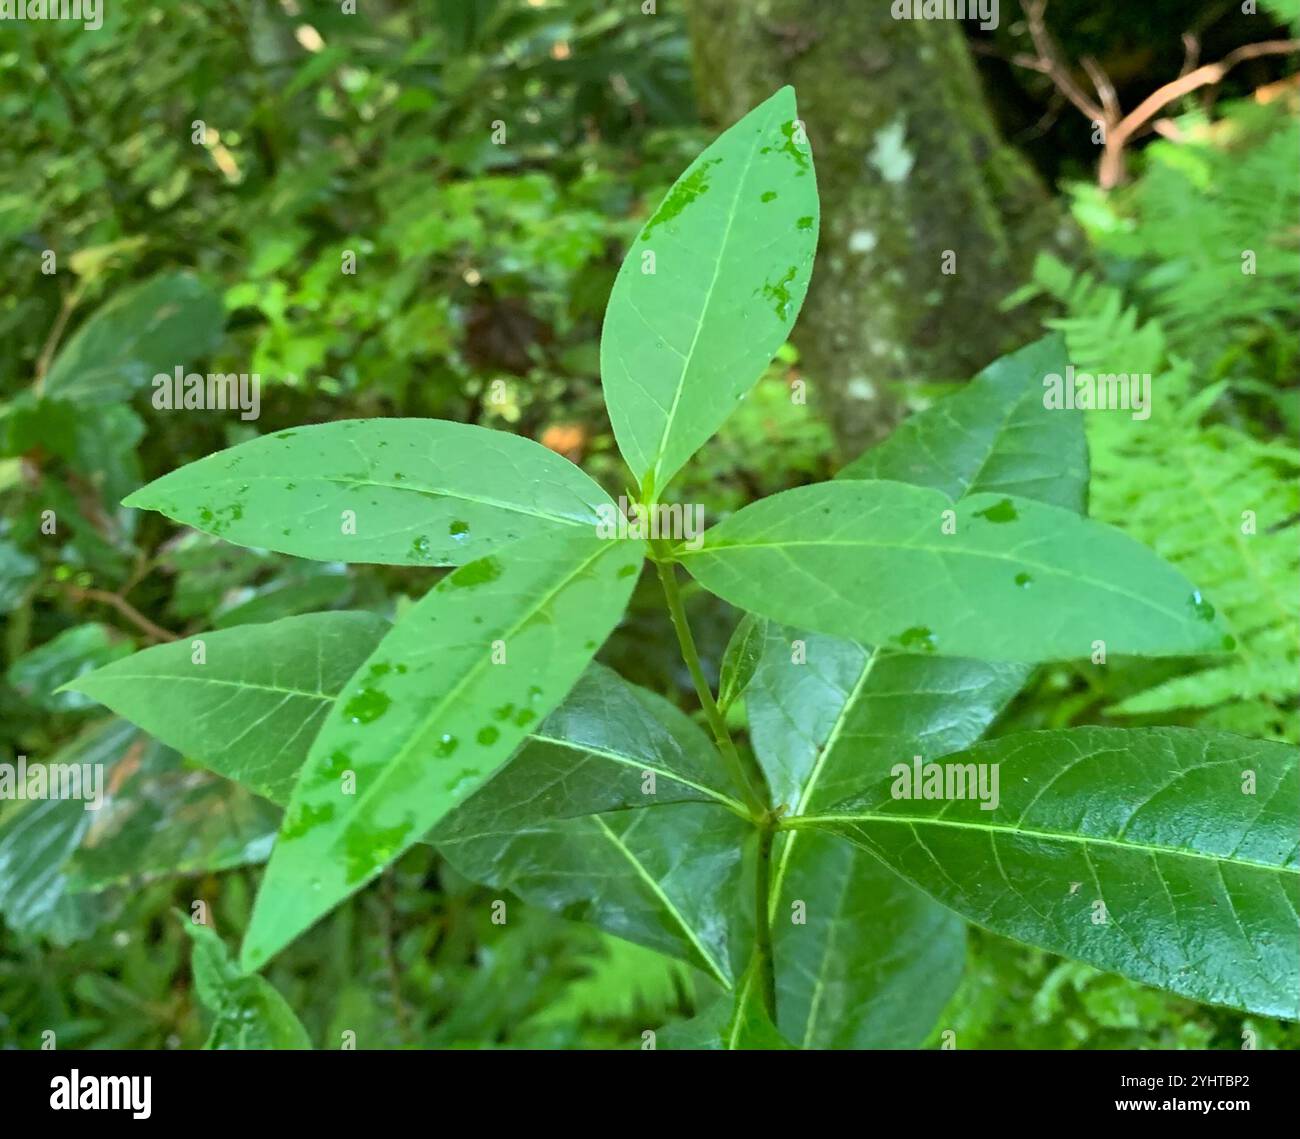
(748, 778)
(764, 961)
(750, 783)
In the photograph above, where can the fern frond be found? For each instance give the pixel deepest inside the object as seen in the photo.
(1220, 505)
(622, 982)
(1100, 326)
(1225, 511)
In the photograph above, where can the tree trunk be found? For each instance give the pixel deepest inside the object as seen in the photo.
(928, 218)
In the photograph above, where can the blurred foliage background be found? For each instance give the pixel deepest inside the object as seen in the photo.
(202, 172)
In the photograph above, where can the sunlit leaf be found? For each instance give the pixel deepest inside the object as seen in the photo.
(442, 702)
(989, 576)
(395, 491)
(710, 290)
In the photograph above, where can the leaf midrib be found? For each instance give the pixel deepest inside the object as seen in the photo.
(472, 673)
(323, 697)
(704, 310)
(829, 821)
(805, 794)
(437, 492)
(640, 765)
(1055, 570)
(668, 905)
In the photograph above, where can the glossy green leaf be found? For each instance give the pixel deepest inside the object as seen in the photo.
(740, 659)
(993, 436)
(39, 836)
(170, 321)
(38, 674)
(669, 878)
(1164, 854)
(64, 869)
(610, 745)
(687, 336)
(245, 702)
(871, 960)
(1017, 580)
(442, 702)
(248, 1012)
(829, 717)
(731, 1022)
(167, 820)
(394, 491)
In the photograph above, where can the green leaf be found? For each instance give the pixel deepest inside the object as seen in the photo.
(733, 245)
(829, 717)
(552, 825)
(38, 837)
(248, 1011)
(874, 959)
(38, 674)
(394, 491)
(441, 703)
(518, 830)
(169, 321)
(1017, 580)
(740, 659)
(621, 869)
(610, 745)
(993, 436)
(1198, 879)
(168, 820)
(667, 878)
(736, 1022)
(17, 572)
(249, 707)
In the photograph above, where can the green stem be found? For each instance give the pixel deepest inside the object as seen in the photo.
(764, 961)
(748, 778)
(750, 783)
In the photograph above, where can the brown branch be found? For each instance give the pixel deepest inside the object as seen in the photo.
(1120, 128)
(1111, 171)
(1049, 62)
(126, 609)
(1200, 77)
(1105, 88)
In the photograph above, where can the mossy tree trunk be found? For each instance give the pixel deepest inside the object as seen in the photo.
(929, 219)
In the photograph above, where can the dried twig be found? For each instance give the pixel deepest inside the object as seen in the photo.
(125, 608)
(1120, 128)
